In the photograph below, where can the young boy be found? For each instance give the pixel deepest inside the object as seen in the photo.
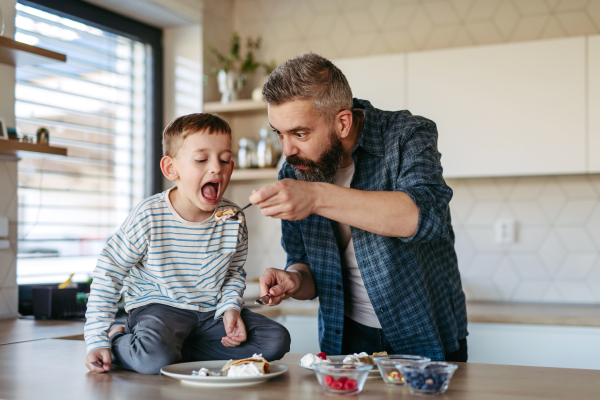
(181, 269)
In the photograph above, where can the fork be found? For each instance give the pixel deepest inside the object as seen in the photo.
(234, 216)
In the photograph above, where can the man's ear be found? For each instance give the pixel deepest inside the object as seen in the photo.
(344, 121)
(168, 168)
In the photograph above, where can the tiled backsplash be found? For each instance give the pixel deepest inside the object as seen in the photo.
(8, 257)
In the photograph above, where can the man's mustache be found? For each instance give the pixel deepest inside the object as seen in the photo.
(296, 161)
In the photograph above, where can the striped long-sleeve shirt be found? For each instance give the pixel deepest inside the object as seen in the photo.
(158, 257)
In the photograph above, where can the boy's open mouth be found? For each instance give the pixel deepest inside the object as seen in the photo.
(211, 191)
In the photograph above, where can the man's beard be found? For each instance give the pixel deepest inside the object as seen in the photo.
(325, 168)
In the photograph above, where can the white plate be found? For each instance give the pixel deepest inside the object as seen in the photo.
(183, 372)
(374, 373)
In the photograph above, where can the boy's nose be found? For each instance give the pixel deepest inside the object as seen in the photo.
(215, 167)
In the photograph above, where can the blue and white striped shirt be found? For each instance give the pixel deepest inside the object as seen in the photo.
(158, 257)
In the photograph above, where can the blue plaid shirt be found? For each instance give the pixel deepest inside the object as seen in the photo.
(413, 283)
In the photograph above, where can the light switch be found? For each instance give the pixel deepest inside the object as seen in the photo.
(506, 231)
(3, 227)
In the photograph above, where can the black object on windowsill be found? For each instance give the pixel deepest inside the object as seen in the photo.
(50, 302)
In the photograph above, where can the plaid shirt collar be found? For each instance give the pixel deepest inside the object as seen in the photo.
(370, 137)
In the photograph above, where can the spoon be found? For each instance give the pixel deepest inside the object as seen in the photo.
(234, 216)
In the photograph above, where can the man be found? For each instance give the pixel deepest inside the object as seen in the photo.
(365, 219)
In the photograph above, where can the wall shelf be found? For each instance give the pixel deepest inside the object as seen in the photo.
(20, 54)
(14, 147)
(255, 174)
(234, 106)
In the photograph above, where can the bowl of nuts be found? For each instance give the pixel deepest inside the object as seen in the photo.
(388, 367)
(342, 378)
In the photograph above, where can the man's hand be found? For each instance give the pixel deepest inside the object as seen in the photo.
(279, 284)
(98, 360)
(287, 199)
(234, 327)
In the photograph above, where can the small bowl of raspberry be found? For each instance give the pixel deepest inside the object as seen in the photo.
(342, 378)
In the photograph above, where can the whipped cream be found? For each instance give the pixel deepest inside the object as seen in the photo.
(202, 372)
(355, 357)
(310, 359)
(244, 370)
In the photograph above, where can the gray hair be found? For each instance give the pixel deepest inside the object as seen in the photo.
(310, 77)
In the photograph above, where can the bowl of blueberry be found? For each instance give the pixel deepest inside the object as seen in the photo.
(428, 379)
(342, 378)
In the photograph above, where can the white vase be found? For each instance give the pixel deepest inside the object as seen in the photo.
(230, 83)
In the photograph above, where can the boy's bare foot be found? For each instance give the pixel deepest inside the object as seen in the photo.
(115, 330)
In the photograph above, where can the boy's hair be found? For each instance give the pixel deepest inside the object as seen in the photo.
(176, 132)
(310, 77)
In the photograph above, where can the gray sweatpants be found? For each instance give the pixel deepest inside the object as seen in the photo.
(157, 335)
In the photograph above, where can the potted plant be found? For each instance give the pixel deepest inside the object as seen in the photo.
(232, 69)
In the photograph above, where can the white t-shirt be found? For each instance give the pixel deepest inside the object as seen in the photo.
(357, 303)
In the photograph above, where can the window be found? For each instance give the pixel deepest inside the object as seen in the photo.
(99, 105)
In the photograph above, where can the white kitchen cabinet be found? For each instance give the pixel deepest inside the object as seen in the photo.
(594, 103)
(379, 79)
(508, 109)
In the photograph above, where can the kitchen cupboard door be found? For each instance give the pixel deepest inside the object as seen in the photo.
(379, 79)
(508, 109)
(594, 103)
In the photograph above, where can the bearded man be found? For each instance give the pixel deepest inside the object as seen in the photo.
(365, 218)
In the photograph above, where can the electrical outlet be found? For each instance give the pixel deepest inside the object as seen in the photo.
(506, 231)
(3, 227)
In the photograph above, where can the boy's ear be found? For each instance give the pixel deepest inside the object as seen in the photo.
(168, 168)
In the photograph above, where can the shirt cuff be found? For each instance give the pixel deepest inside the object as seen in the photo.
(222, 307)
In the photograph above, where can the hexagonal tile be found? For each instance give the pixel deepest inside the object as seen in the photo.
(575, 212)
(282, 31)
(552, 295)
(531, 291)
(529, 238)
(464, 250)
(420, 27)
(532, 7)
(506, 18)
(322, 47)
(379, 11)
(321, 26)
(461, 7)
(303, 16)
(399, 16)
(340, 35)
(575, 292)
(483, 10)
(577, 23)
(485, 189)
(482, 238)
(528, 212)
(361, 45)
(593, 11)
(360, 22)
(463, 38)
(528, 266)
(529, 28)
(321, 6)
(484, 213)
(441, 36)
(577, 266)
(552, 199)
(398, 41)
(593, 225)
(506, 278)
(248, 10)
(570, 5)
(553, 29)
(284, 9)
(527, 187)
(484, 32)
(442, 13)
(552, 253)
(576, 239)
(482, 289)
(483, 265)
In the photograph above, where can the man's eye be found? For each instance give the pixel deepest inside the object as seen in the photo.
(300, 135)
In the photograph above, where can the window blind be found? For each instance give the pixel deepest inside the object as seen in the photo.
(96, 105)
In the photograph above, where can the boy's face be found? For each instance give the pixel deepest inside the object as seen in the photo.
(203, 165)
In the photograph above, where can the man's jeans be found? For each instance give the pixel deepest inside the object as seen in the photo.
(359, 338)
(157, 335)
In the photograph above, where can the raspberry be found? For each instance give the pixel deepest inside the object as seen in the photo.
(350, 384)
(329, 380)
(342, 379)
(337, 385)
(322, 356)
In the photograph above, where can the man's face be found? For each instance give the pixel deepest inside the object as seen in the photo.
(310, 145)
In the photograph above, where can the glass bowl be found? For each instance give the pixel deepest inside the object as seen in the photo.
(430, 378)
(388, 367)
(342, 378)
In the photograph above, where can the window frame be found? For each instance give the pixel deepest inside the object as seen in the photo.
(130, 28)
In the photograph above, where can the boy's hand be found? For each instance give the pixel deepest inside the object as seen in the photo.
(98, 360)
(234, 327)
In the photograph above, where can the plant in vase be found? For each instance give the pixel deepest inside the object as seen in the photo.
(232, 69)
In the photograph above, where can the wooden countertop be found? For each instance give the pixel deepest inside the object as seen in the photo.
(54, 369)
(484, 312)
(23, 330)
